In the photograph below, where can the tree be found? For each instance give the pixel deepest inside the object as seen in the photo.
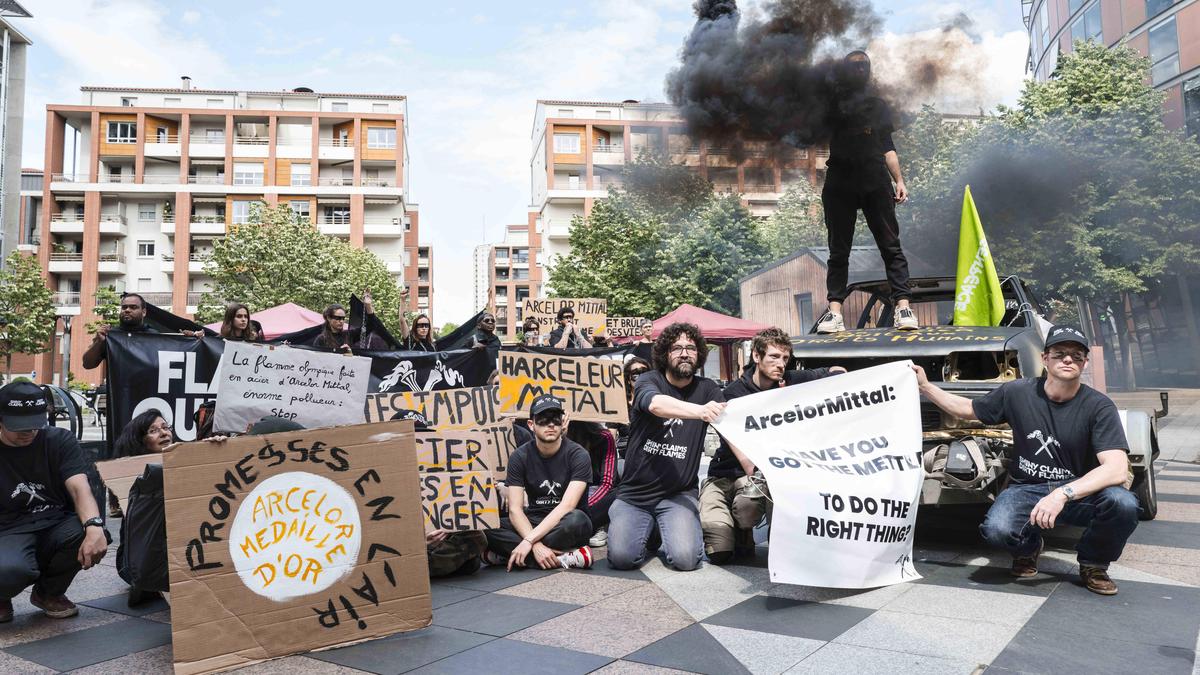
(27, 314)
(447, 328)
(278, 257)
(798, 221)
(107, 309)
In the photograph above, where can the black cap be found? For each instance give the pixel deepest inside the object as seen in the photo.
(1063, 333)
(273, 424)
(23, 406)
(545, 403)
(420, 421)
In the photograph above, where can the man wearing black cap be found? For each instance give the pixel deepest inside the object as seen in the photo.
(1070, 465)
(546, 479)
(862, 166)
(50, 526)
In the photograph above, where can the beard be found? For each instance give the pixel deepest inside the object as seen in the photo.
(682, 369)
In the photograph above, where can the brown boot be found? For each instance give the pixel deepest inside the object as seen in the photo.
(1025, 566)
(55, 606)
(6, 611)
(1097, 580)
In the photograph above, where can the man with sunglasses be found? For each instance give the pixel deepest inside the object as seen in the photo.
(132, 319)
(1070, 464)
(568, 335)
(546, 480)
(485, 336)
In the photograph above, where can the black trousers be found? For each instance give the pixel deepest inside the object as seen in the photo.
(48, 558)
(842, 203)
(571, 532)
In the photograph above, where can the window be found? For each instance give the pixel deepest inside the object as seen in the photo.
(247, 173)
(1043, 27)
(603, 114)
(1087, 27)
(147, 212)
(1164, 51)
(1156, 7)
(1074, 5)
(522, 296)
(567, 144)
(520, 274)
(143, 283)
(302, 174)
(339, 106)
(337, 215)
(128, 101)
(381, 137)
(502, 293)
(216, 103)
(300, 207)
(170, 101)
(566, 112)
(145, 249)
(122, 132)
(160, 135)
(804, 310)
(241, 212)
(215, 136)
(379, 107)
(520, 255)
(1191, 107)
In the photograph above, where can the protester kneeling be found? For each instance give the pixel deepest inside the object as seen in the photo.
(1071, 461)
(50, 525)
(546, 481)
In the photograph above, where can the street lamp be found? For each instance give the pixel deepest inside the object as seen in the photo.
(65, 348)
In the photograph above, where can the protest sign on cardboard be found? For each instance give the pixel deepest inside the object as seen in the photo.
(842, 457)
(590, 313)
(592, 389)
(118, 474)
(290, 542)
(626, 326)
(313, 388)
(468, 409)
(458, 480)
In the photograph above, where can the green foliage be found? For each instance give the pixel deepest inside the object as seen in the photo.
(27, 314)
(108, 308)
(278, 257)
(798, 221)
(447, 328)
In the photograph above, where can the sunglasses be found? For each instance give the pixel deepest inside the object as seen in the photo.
(338, 318)
(421, 325)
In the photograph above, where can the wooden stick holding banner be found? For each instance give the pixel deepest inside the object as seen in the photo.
(590, 313)
(592, 389)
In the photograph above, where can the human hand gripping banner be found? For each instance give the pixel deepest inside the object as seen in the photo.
(842, 457)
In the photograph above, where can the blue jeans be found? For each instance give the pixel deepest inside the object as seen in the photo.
(1109, 517)
(675, 519)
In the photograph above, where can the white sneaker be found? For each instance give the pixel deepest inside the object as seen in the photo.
(600, 539)
(906, 319)
(580, 558)
(831, 323)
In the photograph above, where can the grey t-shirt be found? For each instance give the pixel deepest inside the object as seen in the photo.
(1054, 441)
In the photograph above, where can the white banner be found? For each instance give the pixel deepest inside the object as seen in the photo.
(842, 457)
(316, 389)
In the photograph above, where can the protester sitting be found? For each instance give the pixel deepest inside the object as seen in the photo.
(656, 501)
(602, 449)
(734, 497)
(146, 434)
(531, 333)
(634, 367)
(1070, 466)
(485, 336)
(50, 525)
(420, 338)
(132, 319)
(546, 483)
(568, 335)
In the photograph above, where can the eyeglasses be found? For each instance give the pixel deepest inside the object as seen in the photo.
(684, 349)
(487, 321)
(635, 373)
(338, 318)
(1075, 356)
(157, 429)
(549, 421)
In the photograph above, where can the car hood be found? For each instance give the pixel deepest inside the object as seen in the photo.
(889, 342)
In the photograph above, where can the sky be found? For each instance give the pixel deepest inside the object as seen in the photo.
(472, 72)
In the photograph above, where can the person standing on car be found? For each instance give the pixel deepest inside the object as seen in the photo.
(1070, 465)
(862, 166)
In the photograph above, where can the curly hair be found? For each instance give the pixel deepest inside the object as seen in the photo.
(661, 351)
(771, 337)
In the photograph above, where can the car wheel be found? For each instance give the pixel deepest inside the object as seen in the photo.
(1147, 493)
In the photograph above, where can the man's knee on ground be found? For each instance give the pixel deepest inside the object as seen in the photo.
(684, 558)
(16, 576)
(624, 557)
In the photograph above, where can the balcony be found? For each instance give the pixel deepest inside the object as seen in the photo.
(335, 149)
(161, 179)
(608, 154)
(195, 263)
(111, 263)
(335, 182)
(203, 146)
(166, 145)
(338, 227)
(111, 224)
(66, 303)
(759, 188)
(207, 225)
(383, 227)
(161, 299)
(66, 263)
(394, 265)
(501, 300)
(378, 182)
(123, 177)
(251, 146)
(193, 301)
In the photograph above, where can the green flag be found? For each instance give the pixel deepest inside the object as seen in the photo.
(977, 297)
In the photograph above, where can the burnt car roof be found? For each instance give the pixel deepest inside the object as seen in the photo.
(890, 342)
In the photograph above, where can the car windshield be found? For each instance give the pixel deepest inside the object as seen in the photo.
(933, 306)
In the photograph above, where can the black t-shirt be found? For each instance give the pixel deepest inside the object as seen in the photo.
(1054, 441)
(862, 129)
(663, 456)
(545, 479)
(139, 329)
(573, 342)
(33, 490)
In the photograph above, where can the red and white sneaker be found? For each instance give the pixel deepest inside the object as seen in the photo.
(580, 558)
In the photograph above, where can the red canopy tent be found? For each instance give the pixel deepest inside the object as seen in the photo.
(717, 329)
(276, 321)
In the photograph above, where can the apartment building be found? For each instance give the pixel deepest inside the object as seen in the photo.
(1166, 31)
(579, 148)
(12, 112)
(139, 182)
(480, 259)
(514, 275)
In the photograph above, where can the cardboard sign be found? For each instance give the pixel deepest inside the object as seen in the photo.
(842, 456)
(590, 313)
(626, 326)
(119, 474)
(290, 542)
(313, 388)
(593, 389)
(458, 483)
(470, 409)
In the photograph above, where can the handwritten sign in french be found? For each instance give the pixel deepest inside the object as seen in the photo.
(626, 326)
(316, 389)
(590, 313)
(291, 542)
(593, 389)
(458, 480)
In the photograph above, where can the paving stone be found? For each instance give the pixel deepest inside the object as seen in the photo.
(1161, 554)
(1180, 475)
(1178, 487)
(692, 649)
(12, 665)
(1178, 512)
(493, 578)
(603, 631)
(1046, 651)
(401, 652)
(871, 598)
(297, 664)
(526, 658)
(442, 595)
(602, 569)
(812, 620)
(1010, 609)
(157, 660)
(979, 574)
(161, 617)
(1168, 497)
(632, 668)
(1184, 574)
(838, 658)
(579, 589)
(498, 615)
(33, 625)
(95, 645)
(1151, 614)
(929, 636)
(648, 600)
(766, 653)
(709, 589)
(120, 604)
(1167, 533)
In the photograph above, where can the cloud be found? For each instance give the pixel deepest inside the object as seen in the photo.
(398, 40)
(290, 46)
(191, 16)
